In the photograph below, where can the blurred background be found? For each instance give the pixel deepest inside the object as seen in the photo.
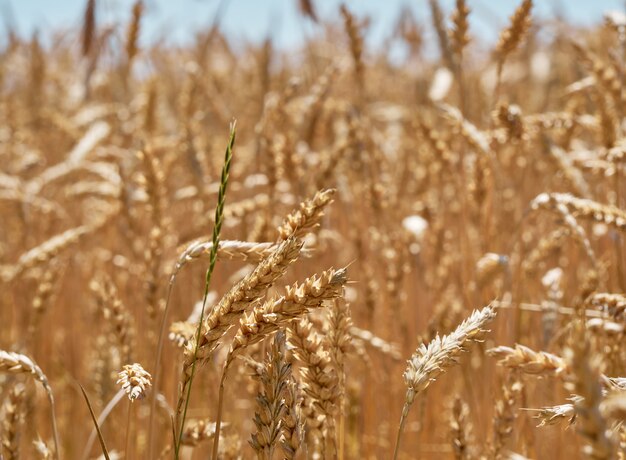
(251, 21)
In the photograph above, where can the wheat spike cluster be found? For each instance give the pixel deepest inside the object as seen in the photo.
(392, 237)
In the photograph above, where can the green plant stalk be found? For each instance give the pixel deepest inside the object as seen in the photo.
(219, 218)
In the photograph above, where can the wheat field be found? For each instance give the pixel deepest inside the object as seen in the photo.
(217, 251)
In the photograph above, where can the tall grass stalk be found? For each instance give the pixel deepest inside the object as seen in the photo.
(219, 218)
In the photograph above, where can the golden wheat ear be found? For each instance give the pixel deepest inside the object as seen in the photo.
(429, 361)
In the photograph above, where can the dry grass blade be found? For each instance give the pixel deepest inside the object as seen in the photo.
(105, 452)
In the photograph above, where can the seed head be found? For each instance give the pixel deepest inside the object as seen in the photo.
(135, 380)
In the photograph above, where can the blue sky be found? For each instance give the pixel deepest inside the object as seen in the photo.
(254, 20)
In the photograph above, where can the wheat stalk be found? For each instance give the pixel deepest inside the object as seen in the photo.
(217, 228)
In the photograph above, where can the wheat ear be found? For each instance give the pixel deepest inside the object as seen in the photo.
(429, 361)
(529, 361)
(12, 420)
(512, 36)
(271, 406)
(232, 306)
(307, 216)
(298, 300)
(459, 37)
(319, 378)
(270, 316)
(16, 363)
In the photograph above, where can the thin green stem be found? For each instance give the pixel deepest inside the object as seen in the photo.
(219, 219)
(193, 370)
